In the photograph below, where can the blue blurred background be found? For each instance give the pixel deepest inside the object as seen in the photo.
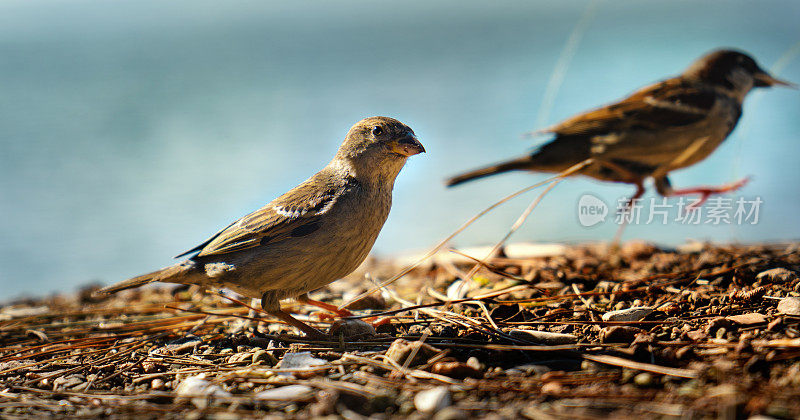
(132, 130)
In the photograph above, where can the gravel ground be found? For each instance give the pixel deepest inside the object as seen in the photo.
(578, 331)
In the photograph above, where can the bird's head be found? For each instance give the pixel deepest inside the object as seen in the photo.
(378, 147)
(732, 70)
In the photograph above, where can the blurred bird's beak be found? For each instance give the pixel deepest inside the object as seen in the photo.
(763, 79)
(407, 146)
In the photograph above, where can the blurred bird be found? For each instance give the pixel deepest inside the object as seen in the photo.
(658, 129)
(314, 234)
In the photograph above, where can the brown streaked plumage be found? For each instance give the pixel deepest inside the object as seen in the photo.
(660, 128)
(312, 235)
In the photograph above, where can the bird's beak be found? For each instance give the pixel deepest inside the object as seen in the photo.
(407, 146)
(763, 79)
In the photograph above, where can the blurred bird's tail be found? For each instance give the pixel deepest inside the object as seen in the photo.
(511, 165)
(172, 274)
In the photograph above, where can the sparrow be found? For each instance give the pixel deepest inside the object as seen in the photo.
(318, 232)
(666, 126)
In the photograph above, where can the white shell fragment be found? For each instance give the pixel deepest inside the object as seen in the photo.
(637, 313)
(199, 391)
(777, 275)
(458, 289)
(11, 312)
(286, 393)
(299, 361)
(544, 337)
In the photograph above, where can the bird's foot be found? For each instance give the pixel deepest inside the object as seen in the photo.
(338, 314)
(632, 201)
(324, 316)
(322, 305)
(308, 330)
(334, 313)
(378, 321)
(706, 191)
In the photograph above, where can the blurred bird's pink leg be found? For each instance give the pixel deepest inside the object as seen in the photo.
(374, 321)
(629, 176)
(637, 195)
(706, 192)
(322, 305)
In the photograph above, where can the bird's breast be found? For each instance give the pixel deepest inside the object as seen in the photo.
(708, 136)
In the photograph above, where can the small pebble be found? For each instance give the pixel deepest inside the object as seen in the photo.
(451, 413)
(552, 388)
(400, 350)
(789, 306)
(474, 363)
(527, 370)
(696, 335)
(183, 345)
(618, 334)
(455, 370)
(264, 356)
(643, 380)
(351, 328)
(434, 399)
(720, 323)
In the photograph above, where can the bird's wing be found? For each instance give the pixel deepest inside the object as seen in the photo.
(294, 214)
(669, 104)
(208, 241)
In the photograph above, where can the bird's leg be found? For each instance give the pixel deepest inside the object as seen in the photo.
(637, 195)
(629, 177)
(322, 305)
(708, 191)
(272, 307)
(374, 321)
(308, 330)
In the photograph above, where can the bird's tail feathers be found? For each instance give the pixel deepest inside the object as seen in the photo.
(171, 274)
(511, 165)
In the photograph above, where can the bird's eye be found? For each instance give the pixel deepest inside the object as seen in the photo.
(377, 131)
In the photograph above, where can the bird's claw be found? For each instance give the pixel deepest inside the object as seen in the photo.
(706, 192)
